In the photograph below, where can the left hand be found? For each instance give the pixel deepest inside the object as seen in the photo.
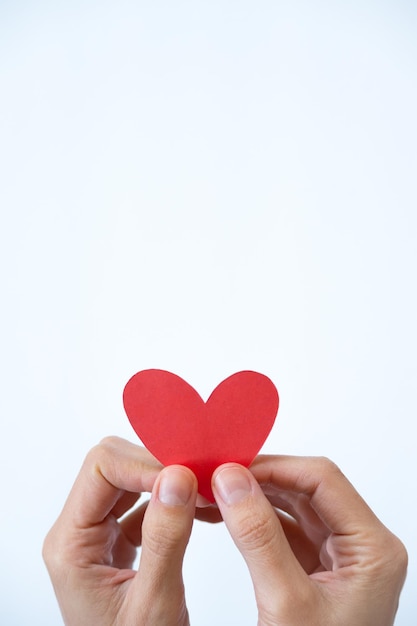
(90, 552)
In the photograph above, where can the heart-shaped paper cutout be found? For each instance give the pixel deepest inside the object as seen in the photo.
(178, 427)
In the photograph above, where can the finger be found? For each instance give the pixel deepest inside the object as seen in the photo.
(165, 533)
(299, 508)
(129, 537)
(125, 503)
(307, 553)
(109, 470)
(259, 536)
(322, 486)
(131, 525)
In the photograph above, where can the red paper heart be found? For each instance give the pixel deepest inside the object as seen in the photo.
(177, 426)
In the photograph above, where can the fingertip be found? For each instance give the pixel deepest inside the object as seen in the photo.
(232, 483)
(176, 486)
(224, 466)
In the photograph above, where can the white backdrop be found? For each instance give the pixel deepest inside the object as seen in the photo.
(205, 187)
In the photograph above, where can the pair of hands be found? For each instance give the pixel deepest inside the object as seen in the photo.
(315, 551)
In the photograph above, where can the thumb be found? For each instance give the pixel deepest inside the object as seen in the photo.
(257, 532)
(165, 533)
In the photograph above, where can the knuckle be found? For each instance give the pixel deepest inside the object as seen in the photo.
(326, 466)
(324, 470)
(107, 445)
(96, 454)
(255, 532)
(386, 556)
(105, 448)
(401, 555)
(162, 539)
(53, 553)
(111, 441)
(397, 555)
(327, 471)
(48, 548)
(103, 452)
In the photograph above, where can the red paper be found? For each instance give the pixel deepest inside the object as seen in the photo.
(178, 427)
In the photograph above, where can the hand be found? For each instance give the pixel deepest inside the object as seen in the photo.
(89, 553)
(321, 556)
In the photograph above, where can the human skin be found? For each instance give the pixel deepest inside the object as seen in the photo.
(319, 556)
(89, 553)
(316, 553)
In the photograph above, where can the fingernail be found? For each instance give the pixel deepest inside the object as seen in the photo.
(175, 487)
(232, 485)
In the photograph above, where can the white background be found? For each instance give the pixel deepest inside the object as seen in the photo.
(205, 187)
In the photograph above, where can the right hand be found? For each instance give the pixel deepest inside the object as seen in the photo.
(321, 557)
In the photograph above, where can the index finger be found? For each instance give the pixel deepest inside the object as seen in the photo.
(330, 494)
(113, 470)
